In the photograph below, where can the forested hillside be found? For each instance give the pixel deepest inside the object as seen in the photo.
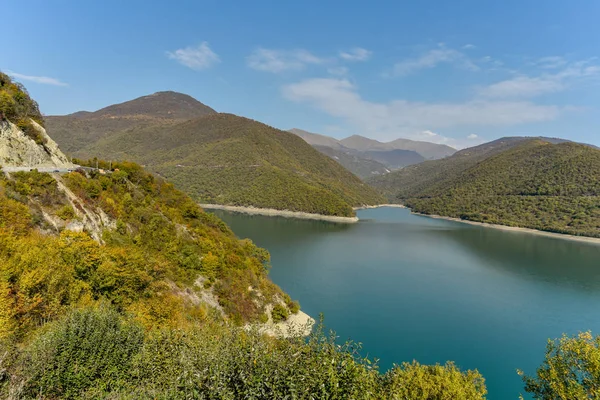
(226, 159)
(152, 245)
(525, 183)
(119, 286)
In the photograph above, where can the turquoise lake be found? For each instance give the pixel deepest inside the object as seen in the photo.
(410, 287)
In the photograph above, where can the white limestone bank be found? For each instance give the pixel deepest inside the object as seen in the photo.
(296, 325)
(379, 206)
(564, 236)
(280, 213)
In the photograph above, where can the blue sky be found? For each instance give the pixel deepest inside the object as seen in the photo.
(456, 72)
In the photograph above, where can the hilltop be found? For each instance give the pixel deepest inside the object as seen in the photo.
(223, 159)
(316, 139)
(545, 184)
(75, 131)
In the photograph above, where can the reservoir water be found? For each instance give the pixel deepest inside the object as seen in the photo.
(410, 287)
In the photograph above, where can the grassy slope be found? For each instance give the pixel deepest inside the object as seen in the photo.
(227, 159)
(551, 187)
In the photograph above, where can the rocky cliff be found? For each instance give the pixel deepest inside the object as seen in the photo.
(19, 150)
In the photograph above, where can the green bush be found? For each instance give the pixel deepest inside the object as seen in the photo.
(571, 370)
(88, 349)
(433, 382)
(279, 313)
(30, 131)
(292, 305)
(95, 354)
(16, 105)
(66, 213)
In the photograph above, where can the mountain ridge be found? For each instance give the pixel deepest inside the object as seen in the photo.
(367, 157)
(219, 158)
(75, 131)
(428, 150)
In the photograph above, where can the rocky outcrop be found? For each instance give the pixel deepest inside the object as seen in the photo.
(19, 150)
(94, 221)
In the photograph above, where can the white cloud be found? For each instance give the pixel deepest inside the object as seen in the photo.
(385, 121)
(468, 46)
(339, 71)
(522, 86)
(281, 60)
(356, 54)
(551, 62)
(432, 58)
(457, 143)
(44, 80)
(525, 86)
(197, 58)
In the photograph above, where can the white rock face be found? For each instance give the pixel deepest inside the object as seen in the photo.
(18, 150)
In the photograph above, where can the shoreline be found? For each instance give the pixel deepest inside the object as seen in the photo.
(296, 325)
(564, 236)
(272, 212)
(379, 206)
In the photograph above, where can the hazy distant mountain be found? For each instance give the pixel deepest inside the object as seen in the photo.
(364, 164)
(75, 131)
(395, 159)
(215, 157)
(316, 139)
(430, 151)
(362, 167)
(361, 143)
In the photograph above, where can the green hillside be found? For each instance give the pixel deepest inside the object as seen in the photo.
(152, 246)
(153, 307)
(533, 184)
(226, 159)
(413, 179)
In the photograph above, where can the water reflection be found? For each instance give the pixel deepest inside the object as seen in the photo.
(556, 261)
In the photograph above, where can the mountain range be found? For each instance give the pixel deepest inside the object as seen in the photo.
(368, 157)
(215, 157)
